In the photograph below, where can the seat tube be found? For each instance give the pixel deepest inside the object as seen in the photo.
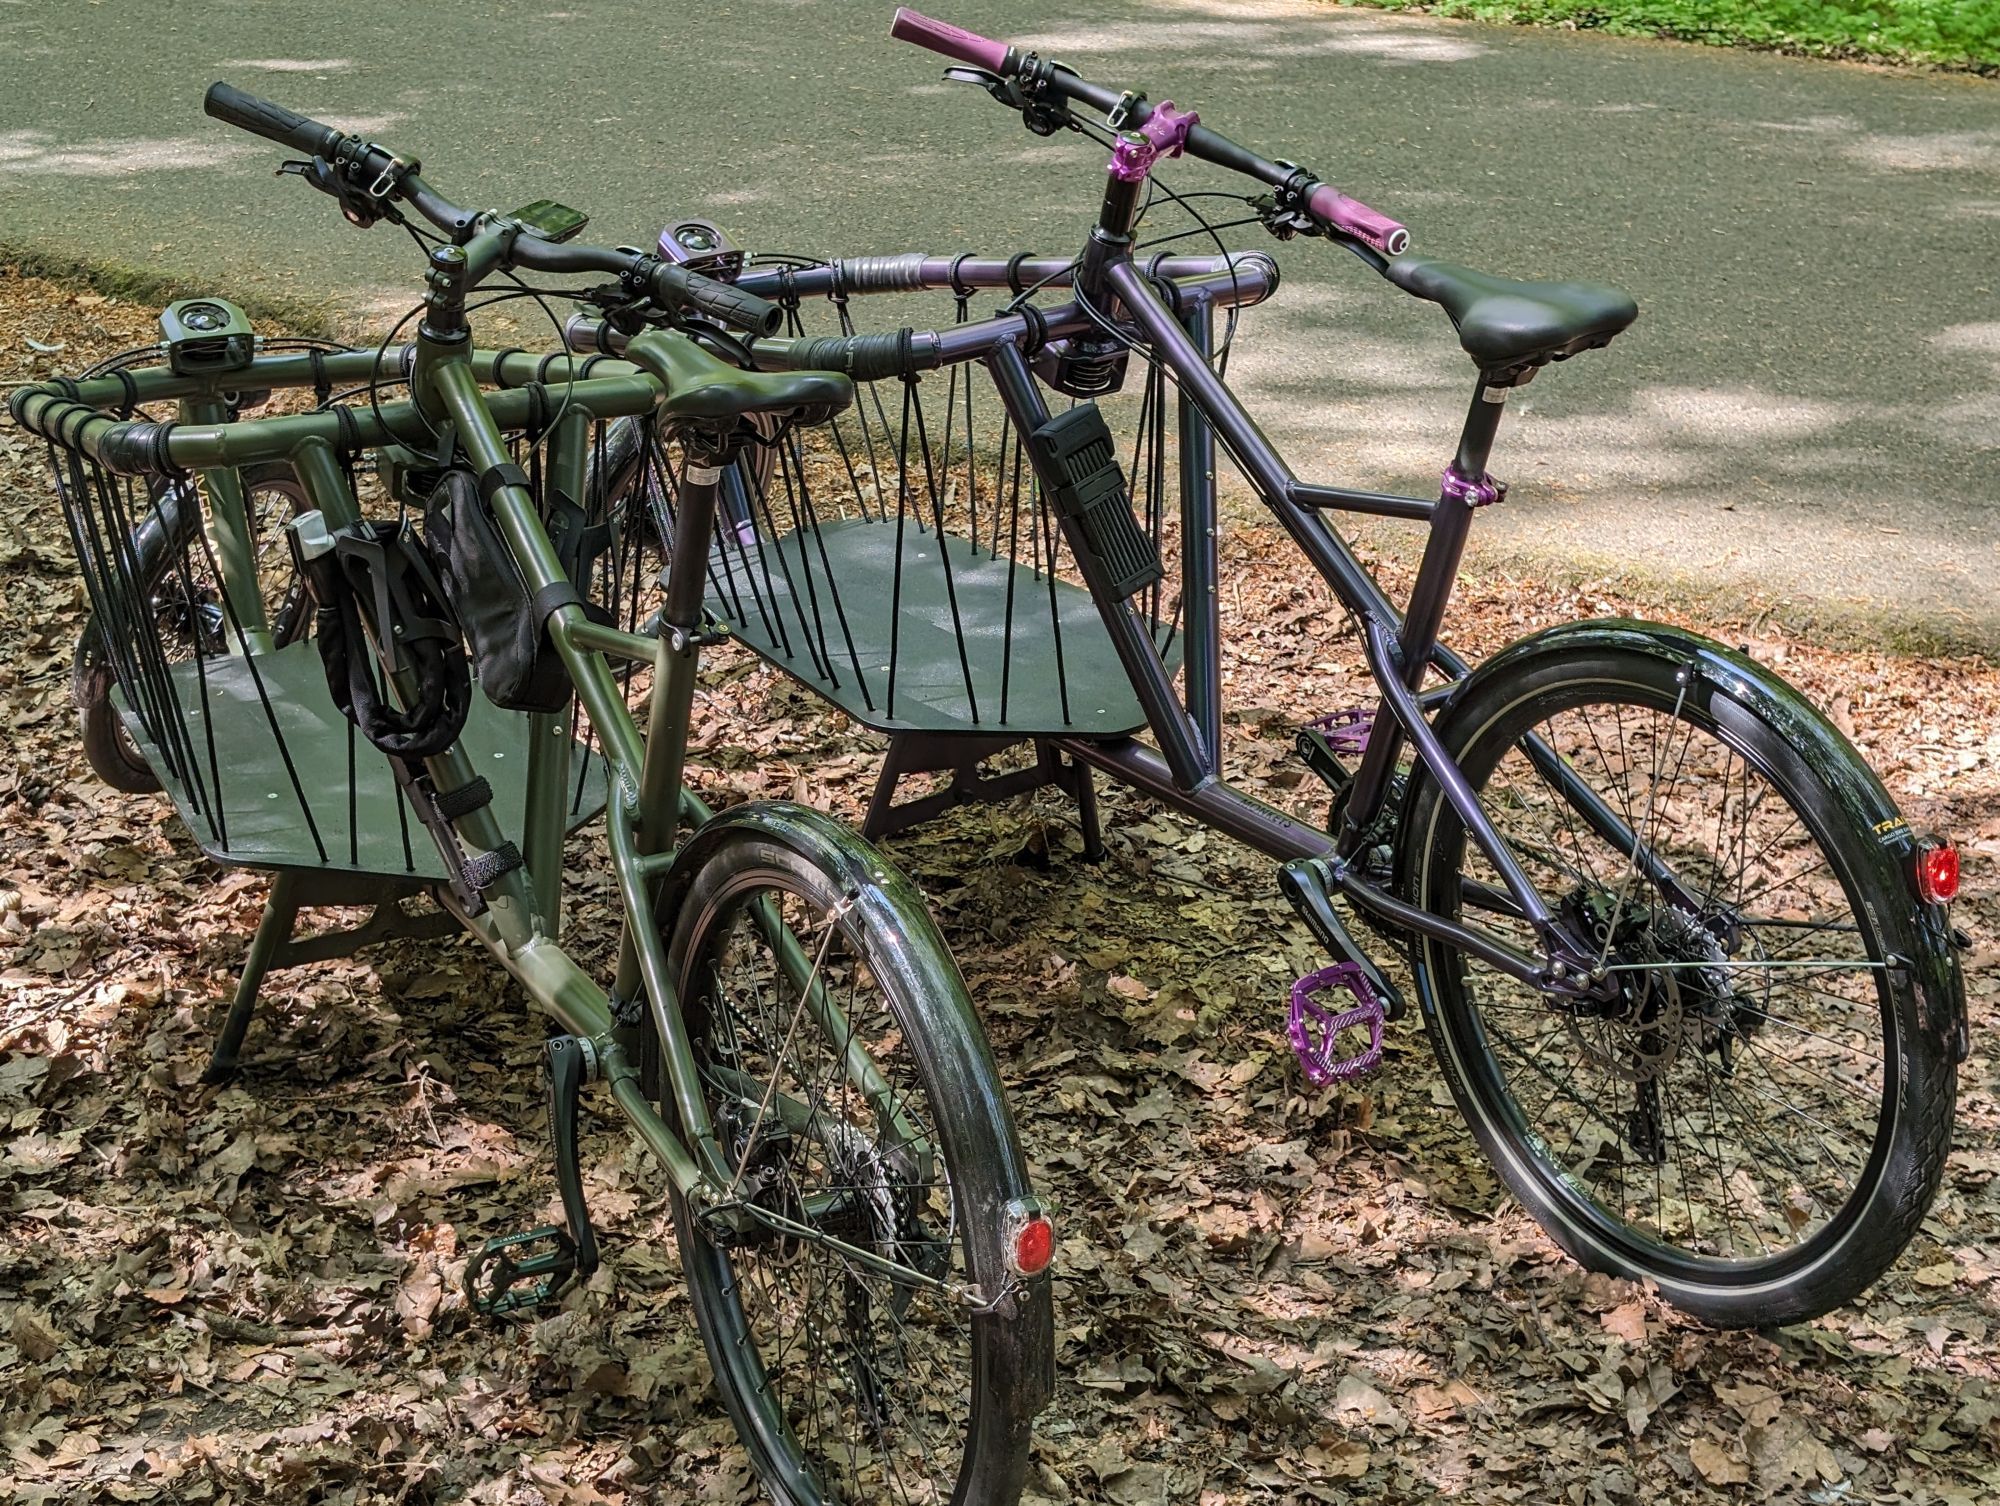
(1464, 490)
(677, 658)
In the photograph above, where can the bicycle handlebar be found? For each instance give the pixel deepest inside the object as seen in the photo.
(734, 306)
(274, 122)
(1355, 220)
(953, 41)
(1329, 208)
(381, 174)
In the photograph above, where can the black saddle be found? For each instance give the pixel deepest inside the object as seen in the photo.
(1510, 327)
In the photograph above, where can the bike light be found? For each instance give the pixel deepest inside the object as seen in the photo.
(1031, 1238)
(1937, 872)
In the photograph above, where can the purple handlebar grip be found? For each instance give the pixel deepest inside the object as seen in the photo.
(1352, 217)
(952, 41)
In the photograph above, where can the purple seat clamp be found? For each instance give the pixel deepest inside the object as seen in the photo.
(1310, 1019)
(1473, 491)
(1164, 134)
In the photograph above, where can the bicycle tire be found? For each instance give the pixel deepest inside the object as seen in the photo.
(1681, 1035)
(946, 1083)
(107, 745)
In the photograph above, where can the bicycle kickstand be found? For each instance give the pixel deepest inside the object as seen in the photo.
(503, 1277)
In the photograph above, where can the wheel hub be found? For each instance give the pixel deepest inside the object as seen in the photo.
(1657, 1004)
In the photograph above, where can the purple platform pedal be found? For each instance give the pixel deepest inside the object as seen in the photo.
(1313, 1028)
(1346, 730)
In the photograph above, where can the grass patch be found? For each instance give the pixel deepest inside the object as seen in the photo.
(1958, 34)
(143, 285)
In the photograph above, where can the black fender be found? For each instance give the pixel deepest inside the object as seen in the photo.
(893, 907)
(877, 885)
(1918, 931)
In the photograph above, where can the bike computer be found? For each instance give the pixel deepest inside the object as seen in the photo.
(547, 220)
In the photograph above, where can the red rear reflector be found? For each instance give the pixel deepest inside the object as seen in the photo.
(1031, 1239)
(1937, 873)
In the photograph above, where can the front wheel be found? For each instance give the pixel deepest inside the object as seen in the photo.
(1754, 1111)
(858, 1107)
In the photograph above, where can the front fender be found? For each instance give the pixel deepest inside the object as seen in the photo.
(894, 910)
(812, 834)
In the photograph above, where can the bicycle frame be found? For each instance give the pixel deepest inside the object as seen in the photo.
(1400, 645)
(519, 920)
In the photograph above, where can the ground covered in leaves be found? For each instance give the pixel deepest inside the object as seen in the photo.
(1265, 1293)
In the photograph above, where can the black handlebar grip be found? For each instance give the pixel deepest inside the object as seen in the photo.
(719, 300)
(262, 118)
(864, 358)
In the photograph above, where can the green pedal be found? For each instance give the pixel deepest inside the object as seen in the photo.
(1076, 450)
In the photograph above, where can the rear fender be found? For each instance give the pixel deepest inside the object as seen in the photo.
(1914, 929)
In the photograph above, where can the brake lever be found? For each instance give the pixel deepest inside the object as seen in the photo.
(1282, 220)
(359, 210)
(1038, 115)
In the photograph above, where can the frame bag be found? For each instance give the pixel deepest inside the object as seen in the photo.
(505, 622)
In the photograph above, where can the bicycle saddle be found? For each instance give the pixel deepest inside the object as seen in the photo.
(703, 386)
(1508, 326)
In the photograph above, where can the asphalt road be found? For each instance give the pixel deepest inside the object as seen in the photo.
(1806, 413)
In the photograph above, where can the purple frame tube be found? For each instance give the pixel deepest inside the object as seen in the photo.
(1185, 772)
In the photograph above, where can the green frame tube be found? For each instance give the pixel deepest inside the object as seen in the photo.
(647, 799)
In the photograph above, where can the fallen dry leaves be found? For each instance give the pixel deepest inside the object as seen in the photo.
(1265, 1293)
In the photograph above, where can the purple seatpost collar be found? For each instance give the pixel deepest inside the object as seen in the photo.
(1164, 134)
(1473, 491)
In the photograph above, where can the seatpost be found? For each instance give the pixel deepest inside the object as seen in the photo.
(1464, 489)
(709, 453)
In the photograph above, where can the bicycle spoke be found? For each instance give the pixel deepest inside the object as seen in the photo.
(865, 1366)
(1747, 1075)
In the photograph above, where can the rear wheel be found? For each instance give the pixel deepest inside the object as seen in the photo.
(802, 967)
(1750, 1114)
(187, 604)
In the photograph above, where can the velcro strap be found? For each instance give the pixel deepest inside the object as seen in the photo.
(486, 869)
(506, 473)
(550, 598)
(463, 801)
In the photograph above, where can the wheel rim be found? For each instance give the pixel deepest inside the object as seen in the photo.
(1723, 1118)
(857, 1387)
